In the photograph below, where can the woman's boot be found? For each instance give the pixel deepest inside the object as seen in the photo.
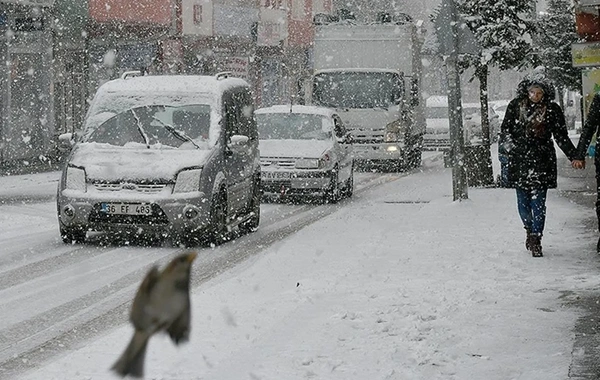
(536, 245)
(528, 240)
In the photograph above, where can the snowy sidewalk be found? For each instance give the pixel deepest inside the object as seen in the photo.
(400, 283)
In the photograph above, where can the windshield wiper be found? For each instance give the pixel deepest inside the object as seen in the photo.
(178, 134)
(141, 129)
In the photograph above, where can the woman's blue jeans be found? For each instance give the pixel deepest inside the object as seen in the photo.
(532, 209)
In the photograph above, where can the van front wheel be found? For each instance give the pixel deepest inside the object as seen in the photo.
(251, 224)
(72, 235)
(217, 233)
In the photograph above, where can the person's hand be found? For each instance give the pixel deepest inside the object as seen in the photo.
(162, 302)
(578, 164)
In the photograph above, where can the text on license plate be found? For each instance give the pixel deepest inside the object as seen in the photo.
(126, 208)
(275, 175)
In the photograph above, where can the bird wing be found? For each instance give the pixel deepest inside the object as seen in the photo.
(149, 281)
(179, 330)
(142, 298)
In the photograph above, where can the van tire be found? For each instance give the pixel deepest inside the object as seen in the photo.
(252, 223)
(332, 194)
(349, 188)
(72, 235)
(217, 231)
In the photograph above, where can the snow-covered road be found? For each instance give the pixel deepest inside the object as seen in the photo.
(54, 295)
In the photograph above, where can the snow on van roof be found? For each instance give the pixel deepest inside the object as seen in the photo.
(173, 83)
(296, 108)
(357, 70)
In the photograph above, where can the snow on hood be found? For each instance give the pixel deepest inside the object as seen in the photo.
(109, 163)
(294, 148)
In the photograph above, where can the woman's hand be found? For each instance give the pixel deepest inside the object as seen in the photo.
(578, 164)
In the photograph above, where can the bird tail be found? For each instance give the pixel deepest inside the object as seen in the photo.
(131, 361)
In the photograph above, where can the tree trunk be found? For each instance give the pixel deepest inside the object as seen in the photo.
(481, 170)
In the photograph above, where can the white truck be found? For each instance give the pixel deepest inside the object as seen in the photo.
(371, 74)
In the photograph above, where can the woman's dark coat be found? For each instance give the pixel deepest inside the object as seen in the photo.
(532, 159)
(590, 127)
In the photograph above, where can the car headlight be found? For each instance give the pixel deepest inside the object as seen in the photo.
(187, 181)
(393, 132)
(307, 163)
(75, 179)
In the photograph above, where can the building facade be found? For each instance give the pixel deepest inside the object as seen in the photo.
(26, 121)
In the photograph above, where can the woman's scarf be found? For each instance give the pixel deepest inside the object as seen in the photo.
(532, 116)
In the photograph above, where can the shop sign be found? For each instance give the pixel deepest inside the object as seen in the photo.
(238, 66)
(272, 27)
(586, 54)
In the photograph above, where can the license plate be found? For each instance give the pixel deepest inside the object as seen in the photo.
(126, 208)
(275, 175)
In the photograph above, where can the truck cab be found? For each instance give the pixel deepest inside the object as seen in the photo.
(371, 74)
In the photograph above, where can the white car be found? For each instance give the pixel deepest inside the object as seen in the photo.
(437, 133)
(472, 123)
(499, 107)
(304, 151)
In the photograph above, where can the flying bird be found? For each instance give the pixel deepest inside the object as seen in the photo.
(162, 303)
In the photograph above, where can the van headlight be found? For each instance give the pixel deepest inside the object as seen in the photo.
(187, 181)
(75, 179)
(314, 163)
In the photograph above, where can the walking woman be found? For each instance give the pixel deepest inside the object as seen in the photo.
(531, 121)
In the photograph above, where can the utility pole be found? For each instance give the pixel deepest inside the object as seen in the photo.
(457, 140)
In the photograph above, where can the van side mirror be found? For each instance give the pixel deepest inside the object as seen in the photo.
(66, 140)
(238, 141)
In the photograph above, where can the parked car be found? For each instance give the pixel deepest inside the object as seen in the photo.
(304, 151)
(472, 123)
(437, 131)
(437, 134)
(164, 155)
(499, 107)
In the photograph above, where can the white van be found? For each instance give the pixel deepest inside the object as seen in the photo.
(165, 156)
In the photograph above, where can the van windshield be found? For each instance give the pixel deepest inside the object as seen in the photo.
(357, 89)
(156, 125)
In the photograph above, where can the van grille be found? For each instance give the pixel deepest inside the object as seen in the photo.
(146, 188)
(285, 163)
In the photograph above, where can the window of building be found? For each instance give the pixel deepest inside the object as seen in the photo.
(298, 9)
(197, 14)
(273, 4)
(319, 6)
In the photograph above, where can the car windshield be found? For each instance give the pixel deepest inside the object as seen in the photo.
(357, 89)
(156, 125)
(292, 126)
(436, 112)
(472, 111)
